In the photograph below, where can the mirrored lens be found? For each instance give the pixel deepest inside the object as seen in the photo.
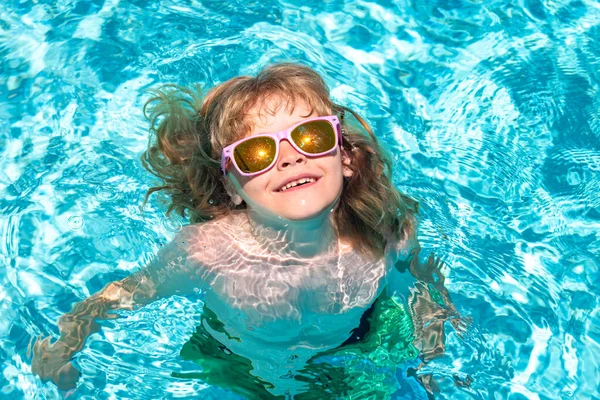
(314, 137)
(254, 154)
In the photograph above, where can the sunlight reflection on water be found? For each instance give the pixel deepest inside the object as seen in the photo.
(490, 109)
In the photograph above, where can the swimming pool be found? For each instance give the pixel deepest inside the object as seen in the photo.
(491, 110)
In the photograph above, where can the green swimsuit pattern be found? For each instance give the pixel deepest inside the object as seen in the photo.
(363, 367)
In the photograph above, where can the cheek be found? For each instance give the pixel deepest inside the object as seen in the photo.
(253, 185)
(248, 184)
(337, 167)
(336, 176)
(339, 180)
(244, 181)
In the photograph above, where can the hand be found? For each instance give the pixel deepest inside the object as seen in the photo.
(51, 361)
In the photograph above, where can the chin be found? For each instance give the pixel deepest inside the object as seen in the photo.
(298, 213)
(299, 216)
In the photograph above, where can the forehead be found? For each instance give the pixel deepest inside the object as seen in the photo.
(263, 109)
(275, 110)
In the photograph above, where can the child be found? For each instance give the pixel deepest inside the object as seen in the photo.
(296, 229)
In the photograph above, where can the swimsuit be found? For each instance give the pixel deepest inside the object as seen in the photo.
(364, 366)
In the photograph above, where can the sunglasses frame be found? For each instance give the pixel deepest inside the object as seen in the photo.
(227, 153)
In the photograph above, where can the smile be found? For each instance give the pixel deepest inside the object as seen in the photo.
(297, 184)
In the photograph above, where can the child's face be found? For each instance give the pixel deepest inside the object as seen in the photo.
(300, 202)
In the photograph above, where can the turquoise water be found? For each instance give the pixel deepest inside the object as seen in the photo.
(491, 110)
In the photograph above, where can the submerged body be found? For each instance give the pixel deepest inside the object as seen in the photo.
(277, 309)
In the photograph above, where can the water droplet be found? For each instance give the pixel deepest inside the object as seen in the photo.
(172, 225)
(106, 193)
(75, 222)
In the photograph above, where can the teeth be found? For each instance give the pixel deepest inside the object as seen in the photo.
(296, 183)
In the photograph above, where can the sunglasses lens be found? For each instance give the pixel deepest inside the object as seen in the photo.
(254, 154)
(314, 137)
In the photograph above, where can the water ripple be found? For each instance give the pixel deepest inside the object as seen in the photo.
(75, 222)
(490, 107)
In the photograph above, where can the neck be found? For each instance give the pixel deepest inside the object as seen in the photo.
(306, 238)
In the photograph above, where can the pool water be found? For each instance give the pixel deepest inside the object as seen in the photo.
(491, 110)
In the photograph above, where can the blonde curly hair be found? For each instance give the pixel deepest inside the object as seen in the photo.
(188, 132)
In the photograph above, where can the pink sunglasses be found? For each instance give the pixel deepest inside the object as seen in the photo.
(256, 154)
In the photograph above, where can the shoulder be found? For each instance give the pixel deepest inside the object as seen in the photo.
(404, 247)
(207, 242)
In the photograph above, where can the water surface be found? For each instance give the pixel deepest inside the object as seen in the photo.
(491, 112)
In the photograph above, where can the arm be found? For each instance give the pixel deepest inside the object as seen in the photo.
(429, 302)
(405, 256)
(170, 273)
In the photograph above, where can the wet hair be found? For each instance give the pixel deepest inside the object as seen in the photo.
(188, 132)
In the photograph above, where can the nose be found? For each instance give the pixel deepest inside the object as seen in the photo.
(288, 156)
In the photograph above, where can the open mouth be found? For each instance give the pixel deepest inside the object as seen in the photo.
(297, 184)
